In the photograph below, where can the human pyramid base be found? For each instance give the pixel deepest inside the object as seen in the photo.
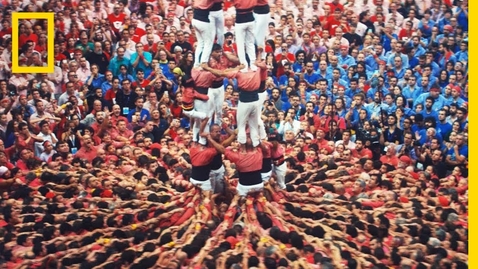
(245, 206)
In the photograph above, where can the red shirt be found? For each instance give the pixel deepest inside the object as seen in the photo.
(202, 78)
(245, 4)
(202, 4)
(176, 110)
(364, 153)
(116, 21)
(390, 160)
(110, 95)
(245, 162)
(153, 48)
(333, 6)
(4, 32)
(247, 81)
(201, 156)
(24, 38)
(142, 84)
(88, 155)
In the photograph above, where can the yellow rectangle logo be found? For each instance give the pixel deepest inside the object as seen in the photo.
(50, 18)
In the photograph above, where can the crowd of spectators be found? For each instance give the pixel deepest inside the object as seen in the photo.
(368, 97)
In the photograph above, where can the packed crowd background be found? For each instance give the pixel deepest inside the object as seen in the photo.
(368, 99)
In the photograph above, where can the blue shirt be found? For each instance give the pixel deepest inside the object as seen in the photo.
(426, 31)
(444, 128)
(147, 69)
(371, 63)
(433, 114)
(419, 51)
(97, 82)
(386, 41)
(347, 60)
(409, 94)
(143, 114)
(462, 151)
(312, 78)
(105, 87)
(461, 56)
(297, 67)
(391, 59)
(439, 103)
(122, 77)
(115, 64)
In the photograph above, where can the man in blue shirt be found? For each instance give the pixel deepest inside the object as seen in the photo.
(141, 60)
(96, 79)
(459, 153)
(117, 61)
(438, 100)
(143, 113)
(428, 110)
(310, 76)
(345, 60)
(462, 55)
(443, 127)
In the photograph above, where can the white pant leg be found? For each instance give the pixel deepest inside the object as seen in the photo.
(194, 114)
(253, 124)
(240, 31)
(201, 107)
(200, 29)
(266, 176)
(204, 185)
(250, 41)
(242, 116)
(205, 40)
(217, 19)
(280, 172)
(217, 179)
(218, 98)
(261, 23)
(243, 190)
(262, 128)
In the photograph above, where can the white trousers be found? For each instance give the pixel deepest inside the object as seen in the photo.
(243, 190)
(260, 26)
(262, 128)
(205, 39)
(280, 172)
(245, 42)
(266, 176)
(217, 95)
(204, 185)
(217, 179)
(203, 108)
(217, 20)
(247, 115)
(194, 114)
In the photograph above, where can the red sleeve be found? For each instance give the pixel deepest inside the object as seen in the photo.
(231, 156)
(462, 190)
(373, 204)
(342, 124)
(21, 142)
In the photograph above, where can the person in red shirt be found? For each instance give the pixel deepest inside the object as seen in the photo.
(360, 151)
(229, 45)
(140, 80)
(390, 156)
(116, 19)
(201, 157)
(332, 22)
(87, 151)
(6, 28)
(335, 4)
(248, 160)
(26, 34)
